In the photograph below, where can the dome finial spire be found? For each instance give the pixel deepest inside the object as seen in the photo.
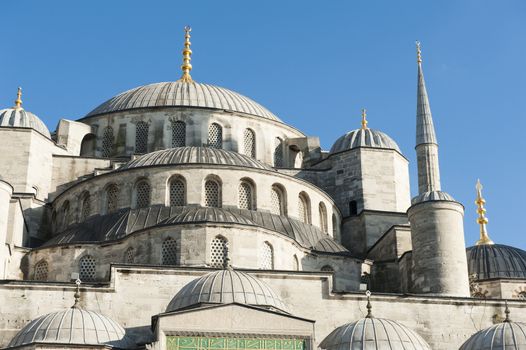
(364, 119)
(418, 52)
(18, 101)
(77, 293)
(482, 220)
(369, 306)
(186, 67)
(507, 312)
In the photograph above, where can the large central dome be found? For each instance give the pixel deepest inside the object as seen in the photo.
(183, 94)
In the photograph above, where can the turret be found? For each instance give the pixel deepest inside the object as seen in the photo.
(437, 220)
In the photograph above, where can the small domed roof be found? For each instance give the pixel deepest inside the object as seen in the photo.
(364, 138)
(225, 287)
(496, 261)
(195, 155)
(73, 326)
(183, 94)
(505, 335)
(19, 117)
(432, 196)
(373, 333)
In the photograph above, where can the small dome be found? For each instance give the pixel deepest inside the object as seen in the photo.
(195, 155)
(182, 94)
(432, 196)
(73, 326)
(373, 333)
(225, 287)
(496, 261)
(19, 117)
(364, 138)
(506, 335)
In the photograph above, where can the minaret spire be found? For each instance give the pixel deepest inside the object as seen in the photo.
(482, 220)
(364, 119)
(18, 101)
(426, 142)
(186, 67)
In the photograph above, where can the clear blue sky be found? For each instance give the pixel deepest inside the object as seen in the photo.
(313, 63)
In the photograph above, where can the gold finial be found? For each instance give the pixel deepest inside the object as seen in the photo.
(482, 220)
(418, 52)
(186, 67)
(369, 306)
(18, 101)
(77, 292)
(364, 119)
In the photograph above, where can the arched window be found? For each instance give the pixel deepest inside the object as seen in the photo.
(249, 143)
(334, 225)
(266, 261)
(107, 142)
(521, 295)
(278, 153)
(304, 208)
(178, 134)
(64, 222)
(177, 192)
(169, 252)
(85, 209)
(215, 136)
(129, 255)
(212, 194)
(323, 217)
(143, 194)
(298, 160)
(112, 198)
(41, 271)
(87, 268)
(246, 196)
(295, 263)
(327, 268)
(277, 200)
(141, 137)
(353, 208)
(218, 252)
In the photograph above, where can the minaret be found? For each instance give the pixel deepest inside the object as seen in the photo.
(439, 264)
(426, 141)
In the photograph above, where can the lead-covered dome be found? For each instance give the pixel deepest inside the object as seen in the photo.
(225, 287)
(496, 261)
(373, 333)
(364, 138)
(73, 326)
(20, 118)
(431, 196)
(506, 335)
(195, 155)
(183, 94)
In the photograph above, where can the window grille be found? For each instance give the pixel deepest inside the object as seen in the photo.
(112, 198)
(295, 263)
(327, 268)
(212, 194)
(178, 134)
(215, 136)
(85, 209)
(129, 255)
(267, 257)
(249, 143)
(41, 271)
(323, 218)
(141, 137)
(276, 201)
(87, 269)
(303, 209)
(169, 252)
(278, 153)
(219, 252)
(245, 196)
(107, 142)
(143, 194)
(177, 193)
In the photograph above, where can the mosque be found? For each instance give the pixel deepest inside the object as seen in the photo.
(186, 216)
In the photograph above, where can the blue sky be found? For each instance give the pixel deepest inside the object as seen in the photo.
(315, 64)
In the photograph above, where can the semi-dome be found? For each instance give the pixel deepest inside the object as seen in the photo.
(505, 335)
(364, 138)
(432, 196)
(225, 287)
(496, 261)
(195, 155)
(183, 94)
(373, 333)
(73, 326)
